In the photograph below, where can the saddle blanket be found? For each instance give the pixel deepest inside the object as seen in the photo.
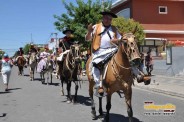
(102, 54)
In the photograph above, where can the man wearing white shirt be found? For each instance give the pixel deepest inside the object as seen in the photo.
(104, 39)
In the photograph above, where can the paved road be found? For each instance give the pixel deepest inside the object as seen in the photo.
(31, 101)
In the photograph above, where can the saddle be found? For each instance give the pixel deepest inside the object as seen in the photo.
(101, 64)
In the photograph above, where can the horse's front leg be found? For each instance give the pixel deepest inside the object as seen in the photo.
(69, 97)
(50, 77)
(100, 107)
(93, 111)
(18, 70)
(62, 82)
(47, 77)
(128, 97)
(108, 106)
(76, 90)
(33, 74)
(22, 71)
(30, 73)
(42, 77)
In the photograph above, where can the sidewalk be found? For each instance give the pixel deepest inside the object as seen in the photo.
(173, 86)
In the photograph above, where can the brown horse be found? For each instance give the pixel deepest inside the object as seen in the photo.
(69, 71)
(118, 75)
(32, 65)
(21, 63)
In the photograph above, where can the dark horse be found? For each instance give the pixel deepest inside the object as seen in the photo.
(118, 75)
(69, 71)
(21, 63)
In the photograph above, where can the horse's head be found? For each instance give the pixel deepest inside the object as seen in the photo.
(129, 46)
(32, 58)
(76, 51)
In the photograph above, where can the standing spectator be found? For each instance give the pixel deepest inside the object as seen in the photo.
(6, 70)
(149, 63)
(141, 66)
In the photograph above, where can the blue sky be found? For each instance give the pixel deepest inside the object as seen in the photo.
(19, 19)
(22, 19)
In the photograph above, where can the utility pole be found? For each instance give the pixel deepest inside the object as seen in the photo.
(102, 5)
(31, 39)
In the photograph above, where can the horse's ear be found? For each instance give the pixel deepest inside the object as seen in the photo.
(134, 30)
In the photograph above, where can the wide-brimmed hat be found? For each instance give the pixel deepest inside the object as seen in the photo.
(109, 13)
(68, 30)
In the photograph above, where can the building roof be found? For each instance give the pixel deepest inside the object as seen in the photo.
(167, 27)
(118, 2)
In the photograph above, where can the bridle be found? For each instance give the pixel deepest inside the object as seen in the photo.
(114, 62)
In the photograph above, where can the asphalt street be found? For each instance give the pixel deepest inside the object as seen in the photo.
(31, 101)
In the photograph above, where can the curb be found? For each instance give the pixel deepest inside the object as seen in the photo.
(161, 91)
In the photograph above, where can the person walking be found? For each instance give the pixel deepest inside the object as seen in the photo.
(141, 65)
(6, 70)
(149, 63)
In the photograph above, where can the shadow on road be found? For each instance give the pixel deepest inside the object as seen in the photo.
(27, 75)
(3, 115)
(5, 92)
(120, 118)
(37, 79)
(14, 89)
(81, 100)
(84, 100)
(54, 84)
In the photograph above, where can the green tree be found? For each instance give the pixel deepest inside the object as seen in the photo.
(1, 54)
(128, 25)
(78, 17)
(26, 48)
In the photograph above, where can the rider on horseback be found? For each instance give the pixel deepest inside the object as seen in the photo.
(20, 54)
(32, 49)
(43, 59)
(104, 38)
(45, 53)
(65, 43)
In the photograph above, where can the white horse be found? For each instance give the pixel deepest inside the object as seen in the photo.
(32, 64)
(46, 68)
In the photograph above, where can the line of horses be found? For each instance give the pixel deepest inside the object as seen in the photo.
(117, 76)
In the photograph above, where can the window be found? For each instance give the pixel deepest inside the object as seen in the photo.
(162, 9)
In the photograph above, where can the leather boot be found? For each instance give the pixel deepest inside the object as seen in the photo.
(144, 79)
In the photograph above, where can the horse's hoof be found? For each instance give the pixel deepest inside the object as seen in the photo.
(101, 117)
(107, 118)
(130, 119)
(74, 102)
(68, 101)
(93, 115)
(62, 93)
